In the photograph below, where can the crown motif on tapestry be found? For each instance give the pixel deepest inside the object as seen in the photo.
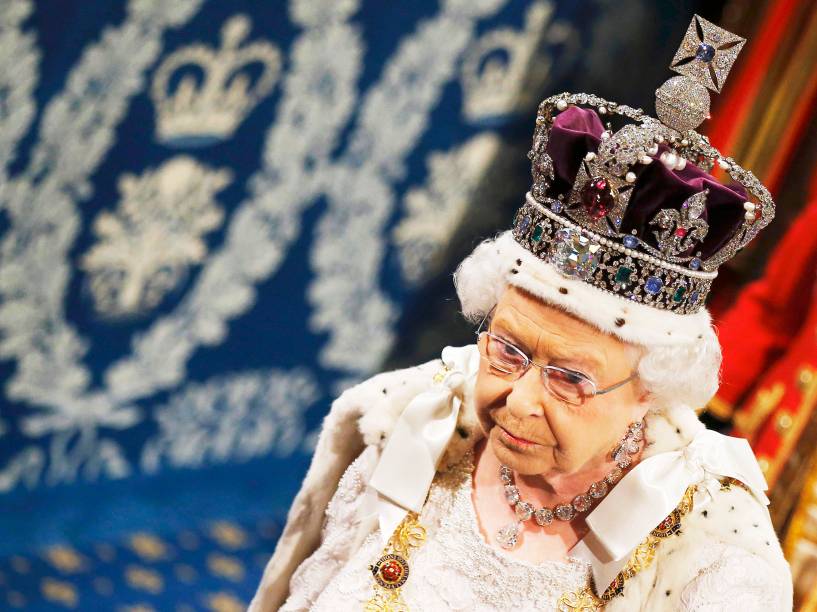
(497, 75)
(634, 211)
(215, 89)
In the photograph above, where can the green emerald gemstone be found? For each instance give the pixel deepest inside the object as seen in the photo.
(679, 294)
(623, 275)
(538, 231)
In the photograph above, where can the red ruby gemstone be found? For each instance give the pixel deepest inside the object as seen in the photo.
(597, 197)
(391, 571)
(680, 232)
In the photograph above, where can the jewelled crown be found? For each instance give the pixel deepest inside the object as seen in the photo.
(634, 211)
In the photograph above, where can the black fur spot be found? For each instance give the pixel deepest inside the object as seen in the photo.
(731, 508)
(705, 513)
(677, 430)
(755, 525)
(518, 262)
(514, 271)
(734, 531)
(620, 322)
(462, 432)
(562, 290)
(668, 592)
(384, 391)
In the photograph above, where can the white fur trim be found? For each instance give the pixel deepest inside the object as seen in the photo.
(632, 322)
(734, 517)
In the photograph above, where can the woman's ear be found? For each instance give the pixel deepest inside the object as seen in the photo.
(644, 396)
(644, 403)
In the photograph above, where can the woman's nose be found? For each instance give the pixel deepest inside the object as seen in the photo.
(527, 395)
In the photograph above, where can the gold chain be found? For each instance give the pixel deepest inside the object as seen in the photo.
(585, 600)
(392, 570)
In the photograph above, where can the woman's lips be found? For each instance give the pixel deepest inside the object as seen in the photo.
(514, 439)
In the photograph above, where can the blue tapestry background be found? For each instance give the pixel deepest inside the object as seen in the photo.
(215, 216)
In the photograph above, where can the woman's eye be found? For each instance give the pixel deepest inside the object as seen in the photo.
(506, 352)
(568, 376)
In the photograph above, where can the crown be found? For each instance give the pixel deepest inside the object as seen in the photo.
(202, 110)
(497, 75)
(634, 211)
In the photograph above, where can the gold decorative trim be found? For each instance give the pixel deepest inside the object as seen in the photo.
(585, 600)
(440, 375)
(392, 569)
(579, 601)
(720, 408)
(749, 419)
(807, 384)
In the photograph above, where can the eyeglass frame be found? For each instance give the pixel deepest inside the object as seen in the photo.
(546, 368)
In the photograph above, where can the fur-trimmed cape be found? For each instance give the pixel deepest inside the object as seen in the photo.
(364, 416)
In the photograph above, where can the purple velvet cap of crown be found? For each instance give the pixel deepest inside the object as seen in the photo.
(575, 131)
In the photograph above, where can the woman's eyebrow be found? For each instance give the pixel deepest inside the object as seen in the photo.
(584, 364)
(588, 364)
(505, 331)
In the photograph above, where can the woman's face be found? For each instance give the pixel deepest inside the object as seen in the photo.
(530, 430)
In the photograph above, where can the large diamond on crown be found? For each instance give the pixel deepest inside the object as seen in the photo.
(574, 254)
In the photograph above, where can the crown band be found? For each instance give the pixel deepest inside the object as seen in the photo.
(606, 242)
(582, 254)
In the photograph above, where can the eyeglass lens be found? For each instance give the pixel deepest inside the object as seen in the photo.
(510, 361)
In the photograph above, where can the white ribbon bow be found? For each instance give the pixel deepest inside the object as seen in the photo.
(409, 460)
(652, 490)
(638, 503)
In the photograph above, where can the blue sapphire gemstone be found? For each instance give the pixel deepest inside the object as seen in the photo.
(523, 225)
(706, 53)
(653, 285)
(630, 242)
(556, 206)
(693, 298)
(695, 263)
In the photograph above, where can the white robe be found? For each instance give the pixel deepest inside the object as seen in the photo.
(727, 557)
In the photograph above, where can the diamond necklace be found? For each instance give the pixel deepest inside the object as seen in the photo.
(508, 535)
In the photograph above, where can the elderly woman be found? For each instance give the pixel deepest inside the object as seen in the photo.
(558, 463)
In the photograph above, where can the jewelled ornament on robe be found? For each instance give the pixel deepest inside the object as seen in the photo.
(391, 571)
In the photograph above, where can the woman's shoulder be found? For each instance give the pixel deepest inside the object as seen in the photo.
(725, 556)
(729, 577)
(357, 423)
(378, 401)
(727, 552)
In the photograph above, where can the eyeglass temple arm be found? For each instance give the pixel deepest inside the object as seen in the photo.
(617, 385)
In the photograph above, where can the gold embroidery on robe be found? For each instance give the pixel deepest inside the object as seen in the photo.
(585, 600)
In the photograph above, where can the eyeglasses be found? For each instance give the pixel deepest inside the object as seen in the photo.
(511, 362)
